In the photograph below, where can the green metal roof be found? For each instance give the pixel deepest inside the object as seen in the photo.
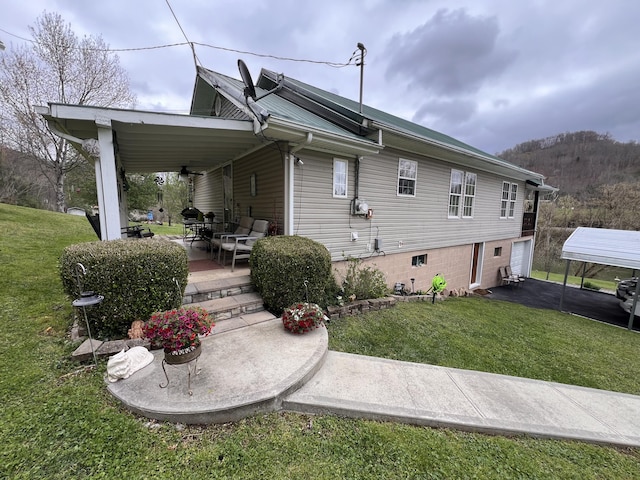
(279, 107)
(351, 109)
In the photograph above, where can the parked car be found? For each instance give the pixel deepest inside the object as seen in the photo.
(625, 292)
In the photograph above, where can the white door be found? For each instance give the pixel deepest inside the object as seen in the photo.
(520, 253)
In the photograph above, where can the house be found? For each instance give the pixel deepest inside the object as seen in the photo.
(364, 183)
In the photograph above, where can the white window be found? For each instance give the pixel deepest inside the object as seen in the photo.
(512, 199)
(462, 194)
(407, 176)
(340, 169)
(455, 193)
(469, 194)
(504, 202)
(508, 200)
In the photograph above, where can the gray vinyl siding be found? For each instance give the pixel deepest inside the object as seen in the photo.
(268, 204)
(419, 222)
(208, 193)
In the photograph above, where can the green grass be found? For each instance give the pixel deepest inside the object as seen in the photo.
(57, 421)
(499, 337)
(573, 280)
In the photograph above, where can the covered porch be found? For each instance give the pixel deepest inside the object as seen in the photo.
(117, 142)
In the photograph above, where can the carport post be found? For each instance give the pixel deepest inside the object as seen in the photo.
(564, 285)
(633, 305)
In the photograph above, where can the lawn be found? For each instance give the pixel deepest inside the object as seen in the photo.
(573, 280)
(58, 421)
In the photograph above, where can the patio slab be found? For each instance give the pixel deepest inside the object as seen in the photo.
(242, 372)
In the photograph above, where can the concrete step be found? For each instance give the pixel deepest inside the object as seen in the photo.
(244, 320)
(228, 307)
(202, 291)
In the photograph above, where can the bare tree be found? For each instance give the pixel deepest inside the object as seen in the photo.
(57, 67)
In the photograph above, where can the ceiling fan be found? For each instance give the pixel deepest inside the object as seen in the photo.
(184, 171)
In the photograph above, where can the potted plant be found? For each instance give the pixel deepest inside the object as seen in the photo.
(303, 317)
(178, 331)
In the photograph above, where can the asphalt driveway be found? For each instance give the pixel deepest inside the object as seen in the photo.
(599, 306)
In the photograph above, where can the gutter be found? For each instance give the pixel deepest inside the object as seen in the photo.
(288, 127)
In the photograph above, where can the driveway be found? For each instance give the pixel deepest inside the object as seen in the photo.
(599, 306)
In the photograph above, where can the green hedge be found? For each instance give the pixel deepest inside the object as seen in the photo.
(136, 278)
(281, 265)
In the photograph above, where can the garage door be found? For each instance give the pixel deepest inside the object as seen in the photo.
(520, 253)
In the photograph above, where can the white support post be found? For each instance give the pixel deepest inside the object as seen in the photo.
(288, 193)
(107, 183)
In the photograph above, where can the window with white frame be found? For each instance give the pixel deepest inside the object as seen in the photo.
(469, 194)
(340, 177)
(462, 194)
(508, 200)
(407, 176)
(504, 202)
(512, 199)
(455, 193)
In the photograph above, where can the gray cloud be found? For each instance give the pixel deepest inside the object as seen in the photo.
(492, 73)
(447, 110)
(451, 54)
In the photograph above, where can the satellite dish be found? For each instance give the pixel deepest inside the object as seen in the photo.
(249, 89)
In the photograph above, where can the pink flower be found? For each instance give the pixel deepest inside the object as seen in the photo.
(178, 328)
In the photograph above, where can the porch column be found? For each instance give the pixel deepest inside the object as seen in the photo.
(107, 183)
(288, 193)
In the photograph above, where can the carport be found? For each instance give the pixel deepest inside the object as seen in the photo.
(618, 248)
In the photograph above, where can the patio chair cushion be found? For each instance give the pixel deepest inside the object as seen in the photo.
(244, 228)
(259, 230)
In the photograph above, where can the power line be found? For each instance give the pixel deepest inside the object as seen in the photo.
(216, 47)
(193, 50)
(265, 55)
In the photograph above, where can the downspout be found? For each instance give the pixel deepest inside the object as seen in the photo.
(289, 183)
(356, 183)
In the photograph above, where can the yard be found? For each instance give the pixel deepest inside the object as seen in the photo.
(58, 421)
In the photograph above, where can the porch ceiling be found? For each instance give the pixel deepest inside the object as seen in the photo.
(159, 142)
(154, 148)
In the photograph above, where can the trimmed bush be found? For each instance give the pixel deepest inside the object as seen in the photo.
(136, 278)
(363, 282)
(281, 265)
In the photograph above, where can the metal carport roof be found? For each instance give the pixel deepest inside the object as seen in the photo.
(619, 248)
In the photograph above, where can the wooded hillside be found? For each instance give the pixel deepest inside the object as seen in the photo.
(578, 162)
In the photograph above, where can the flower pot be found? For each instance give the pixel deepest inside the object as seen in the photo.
(185, 355)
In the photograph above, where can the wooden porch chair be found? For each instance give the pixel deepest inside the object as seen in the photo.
(510, 273)
(241, 245)
(506, 279)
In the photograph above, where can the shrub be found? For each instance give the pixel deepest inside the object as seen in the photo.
(590, 286)
(136, 277)
(291, 269)
(363, 282)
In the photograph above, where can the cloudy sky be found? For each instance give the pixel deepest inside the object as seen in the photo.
(492, 73)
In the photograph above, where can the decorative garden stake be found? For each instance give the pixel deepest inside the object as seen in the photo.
(87, 298)
(438, 284)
